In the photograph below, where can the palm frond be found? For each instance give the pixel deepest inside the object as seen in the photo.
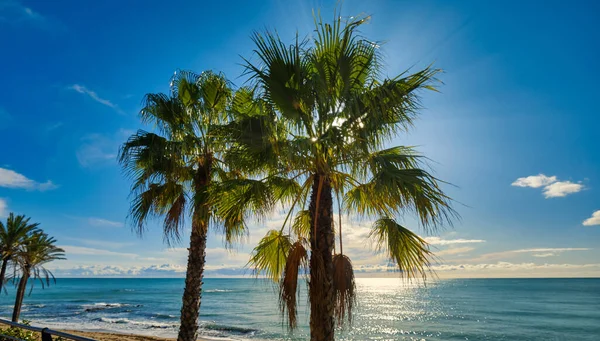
(301, 225)
(403, 247)
(394, 190)
(270, 255)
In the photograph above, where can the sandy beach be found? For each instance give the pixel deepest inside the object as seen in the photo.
(106, 336)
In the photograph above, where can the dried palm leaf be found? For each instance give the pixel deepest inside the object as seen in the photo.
(344, 288)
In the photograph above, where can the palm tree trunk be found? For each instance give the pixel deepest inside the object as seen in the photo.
(192, 294)
(3, 272)
(321, 295)
(20, 294)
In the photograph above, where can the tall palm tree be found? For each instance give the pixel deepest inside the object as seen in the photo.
(12, 236)
(36, 252)
(327, 116)
(179, 171)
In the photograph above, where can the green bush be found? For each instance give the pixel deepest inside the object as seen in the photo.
(22, 334)
(18, 333)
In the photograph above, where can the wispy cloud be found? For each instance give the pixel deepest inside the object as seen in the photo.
(104, 222)
(508, 265)
(54, 126)
(455, 251)
(552, 187)
(87, 251)
(440, 241)
(99, 149)
(536, 252)
(100, 243)
(544, 255)
(3, 208)
(593, 220)
(12, 179)
(17, 11)
(13, 12)
(92, 94)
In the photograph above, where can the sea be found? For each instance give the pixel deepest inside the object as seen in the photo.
(387, 309)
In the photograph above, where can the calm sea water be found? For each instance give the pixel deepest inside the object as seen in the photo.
(247, 309)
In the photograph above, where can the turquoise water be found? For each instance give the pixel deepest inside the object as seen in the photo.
(247, 309)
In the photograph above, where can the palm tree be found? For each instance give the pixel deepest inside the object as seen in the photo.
(179, 170)
(37, 251)
(12, 236)
(326, 118)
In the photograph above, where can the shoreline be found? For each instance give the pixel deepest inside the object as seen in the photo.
(116, 336)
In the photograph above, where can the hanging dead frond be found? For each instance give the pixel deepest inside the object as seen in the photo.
(344, 288)
(288, 291)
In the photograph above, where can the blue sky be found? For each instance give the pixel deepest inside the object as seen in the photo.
(515, 127)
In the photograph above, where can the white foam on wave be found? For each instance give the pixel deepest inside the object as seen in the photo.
(138, 327)
(148, 324)
(218, 290)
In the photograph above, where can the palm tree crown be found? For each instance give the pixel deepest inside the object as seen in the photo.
(324, 117)
(13, 235)
(36, 252)
(179, 170)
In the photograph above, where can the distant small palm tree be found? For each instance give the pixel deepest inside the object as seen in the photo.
(179, 171)
(36, 252)
(335, 114)
(12, 236)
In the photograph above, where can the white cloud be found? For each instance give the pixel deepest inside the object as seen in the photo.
(454, 251)
(534, 181)
(155, 270)
(83, 90)
(87, 251)
(559, 249)
(487, 270)
(561, 189)
(510, 266)
(593, 220)
(543, 255)
(3, 208)
(440, 241)
(536, 251)
(12, 179)
(104, 222)
(162, 270)
(552, 187)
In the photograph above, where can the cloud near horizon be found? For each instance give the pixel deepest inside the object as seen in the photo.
(593, 220)
(12, 179)
(169, 270)
(536, 252)
(552, 188)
